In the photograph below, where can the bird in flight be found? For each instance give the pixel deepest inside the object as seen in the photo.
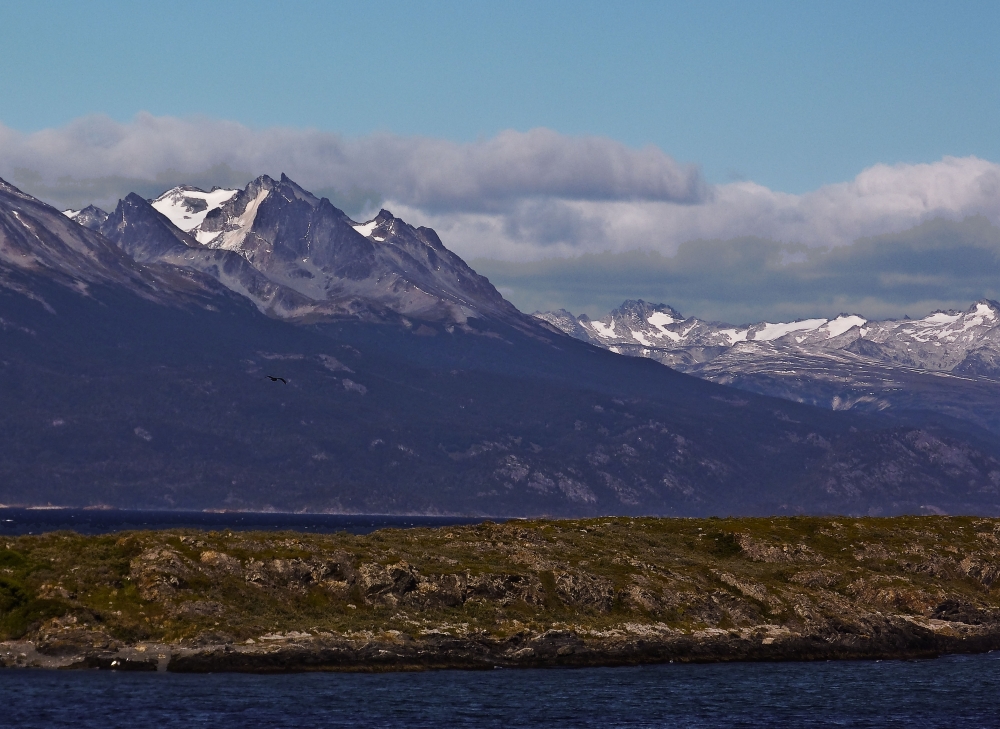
(282, 380)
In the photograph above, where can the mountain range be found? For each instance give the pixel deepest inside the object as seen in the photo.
(137, 351)
(943, 366)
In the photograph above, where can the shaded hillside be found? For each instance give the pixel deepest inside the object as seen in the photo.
(111, 399)
(144, 385)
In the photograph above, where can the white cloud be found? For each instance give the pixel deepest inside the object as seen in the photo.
(882, 199)
(432, 174)
(516, 196)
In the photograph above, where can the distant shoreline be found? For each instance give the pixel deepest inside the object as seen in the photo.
(563, 649)
(92, 521)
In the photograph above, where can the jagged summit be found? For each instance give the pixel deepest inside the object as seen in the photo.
(148, 236)
(315, 260)
(89, 217)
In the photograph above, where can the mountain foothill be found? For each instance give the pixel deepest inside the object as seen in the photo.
(138, 351)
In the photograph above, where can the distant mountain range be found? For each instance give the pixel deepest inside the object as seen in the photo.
(135, 350)
(944, 365)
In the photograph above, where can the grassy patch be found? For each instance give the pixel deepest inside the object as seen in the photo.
(500, 577)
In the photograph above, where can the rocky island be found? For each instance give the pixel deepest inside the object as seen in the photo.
(603, 591)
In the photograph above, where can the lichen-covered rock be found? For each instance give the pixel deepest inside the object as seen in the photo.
(61, 639)
(506, 589)
(159, 573)
(387, 584)
(984, 572)
(759, 550)
(815, 578)
(439, 591)
(221, 562)
(894, 594)
(581, 590)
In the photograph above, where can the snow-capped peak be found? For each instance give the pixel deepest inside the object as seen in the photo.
(941, 341)
(939, 318)
(844, 323)
(89, 217)
(186, 207)
(986, 309)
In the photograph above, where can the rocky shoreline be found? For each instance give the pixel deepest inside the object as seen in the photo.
(892, 637)
(521, 594)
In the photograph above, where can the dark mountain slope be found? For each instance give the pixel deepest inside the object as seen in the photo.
(149, 390)
(118, 400)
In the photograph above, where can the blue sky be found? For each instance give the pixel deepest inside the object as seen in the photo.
(791, 95)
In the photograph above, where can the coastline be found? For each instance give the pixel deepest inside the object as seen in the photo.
(894, 639)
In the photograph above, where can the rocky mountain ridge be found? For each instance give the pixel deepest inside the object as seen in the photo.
(946, 363)
(303, 258)
(963, 342)
(89, 217)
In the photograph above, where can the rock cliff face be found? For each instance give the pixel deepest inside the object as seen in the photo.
(596, 592)
(89, 217)
(148, 237)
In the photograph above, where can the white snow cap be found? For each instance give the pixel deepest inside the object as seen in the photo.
(181, 205)
(776, 331)
(844, 323)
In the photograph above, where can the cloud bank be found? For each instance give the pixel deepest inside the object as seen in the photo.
(431, 174)
(940, 264)
(882, 199)
(516, 196)
(599, 208)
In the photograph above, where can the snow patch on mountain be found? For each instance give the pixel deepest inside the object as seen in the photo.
(186, 207)
(769, 332)
(366, 228)
(844, 323)
(89, 217)
(605, 331)
(735, 335)
(939, 318)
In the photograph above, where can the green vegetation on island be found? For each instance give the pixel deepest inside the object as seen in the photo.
(567, 592)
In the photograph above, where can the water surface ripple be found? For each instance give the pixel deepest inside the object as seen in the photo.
(954, 692)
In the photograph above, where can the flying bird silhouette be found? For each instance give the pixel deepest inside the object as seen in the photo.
(282, 380)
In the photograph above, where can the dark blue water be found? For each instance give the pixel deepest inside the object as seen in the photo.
(954, 692)
(14, 522)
